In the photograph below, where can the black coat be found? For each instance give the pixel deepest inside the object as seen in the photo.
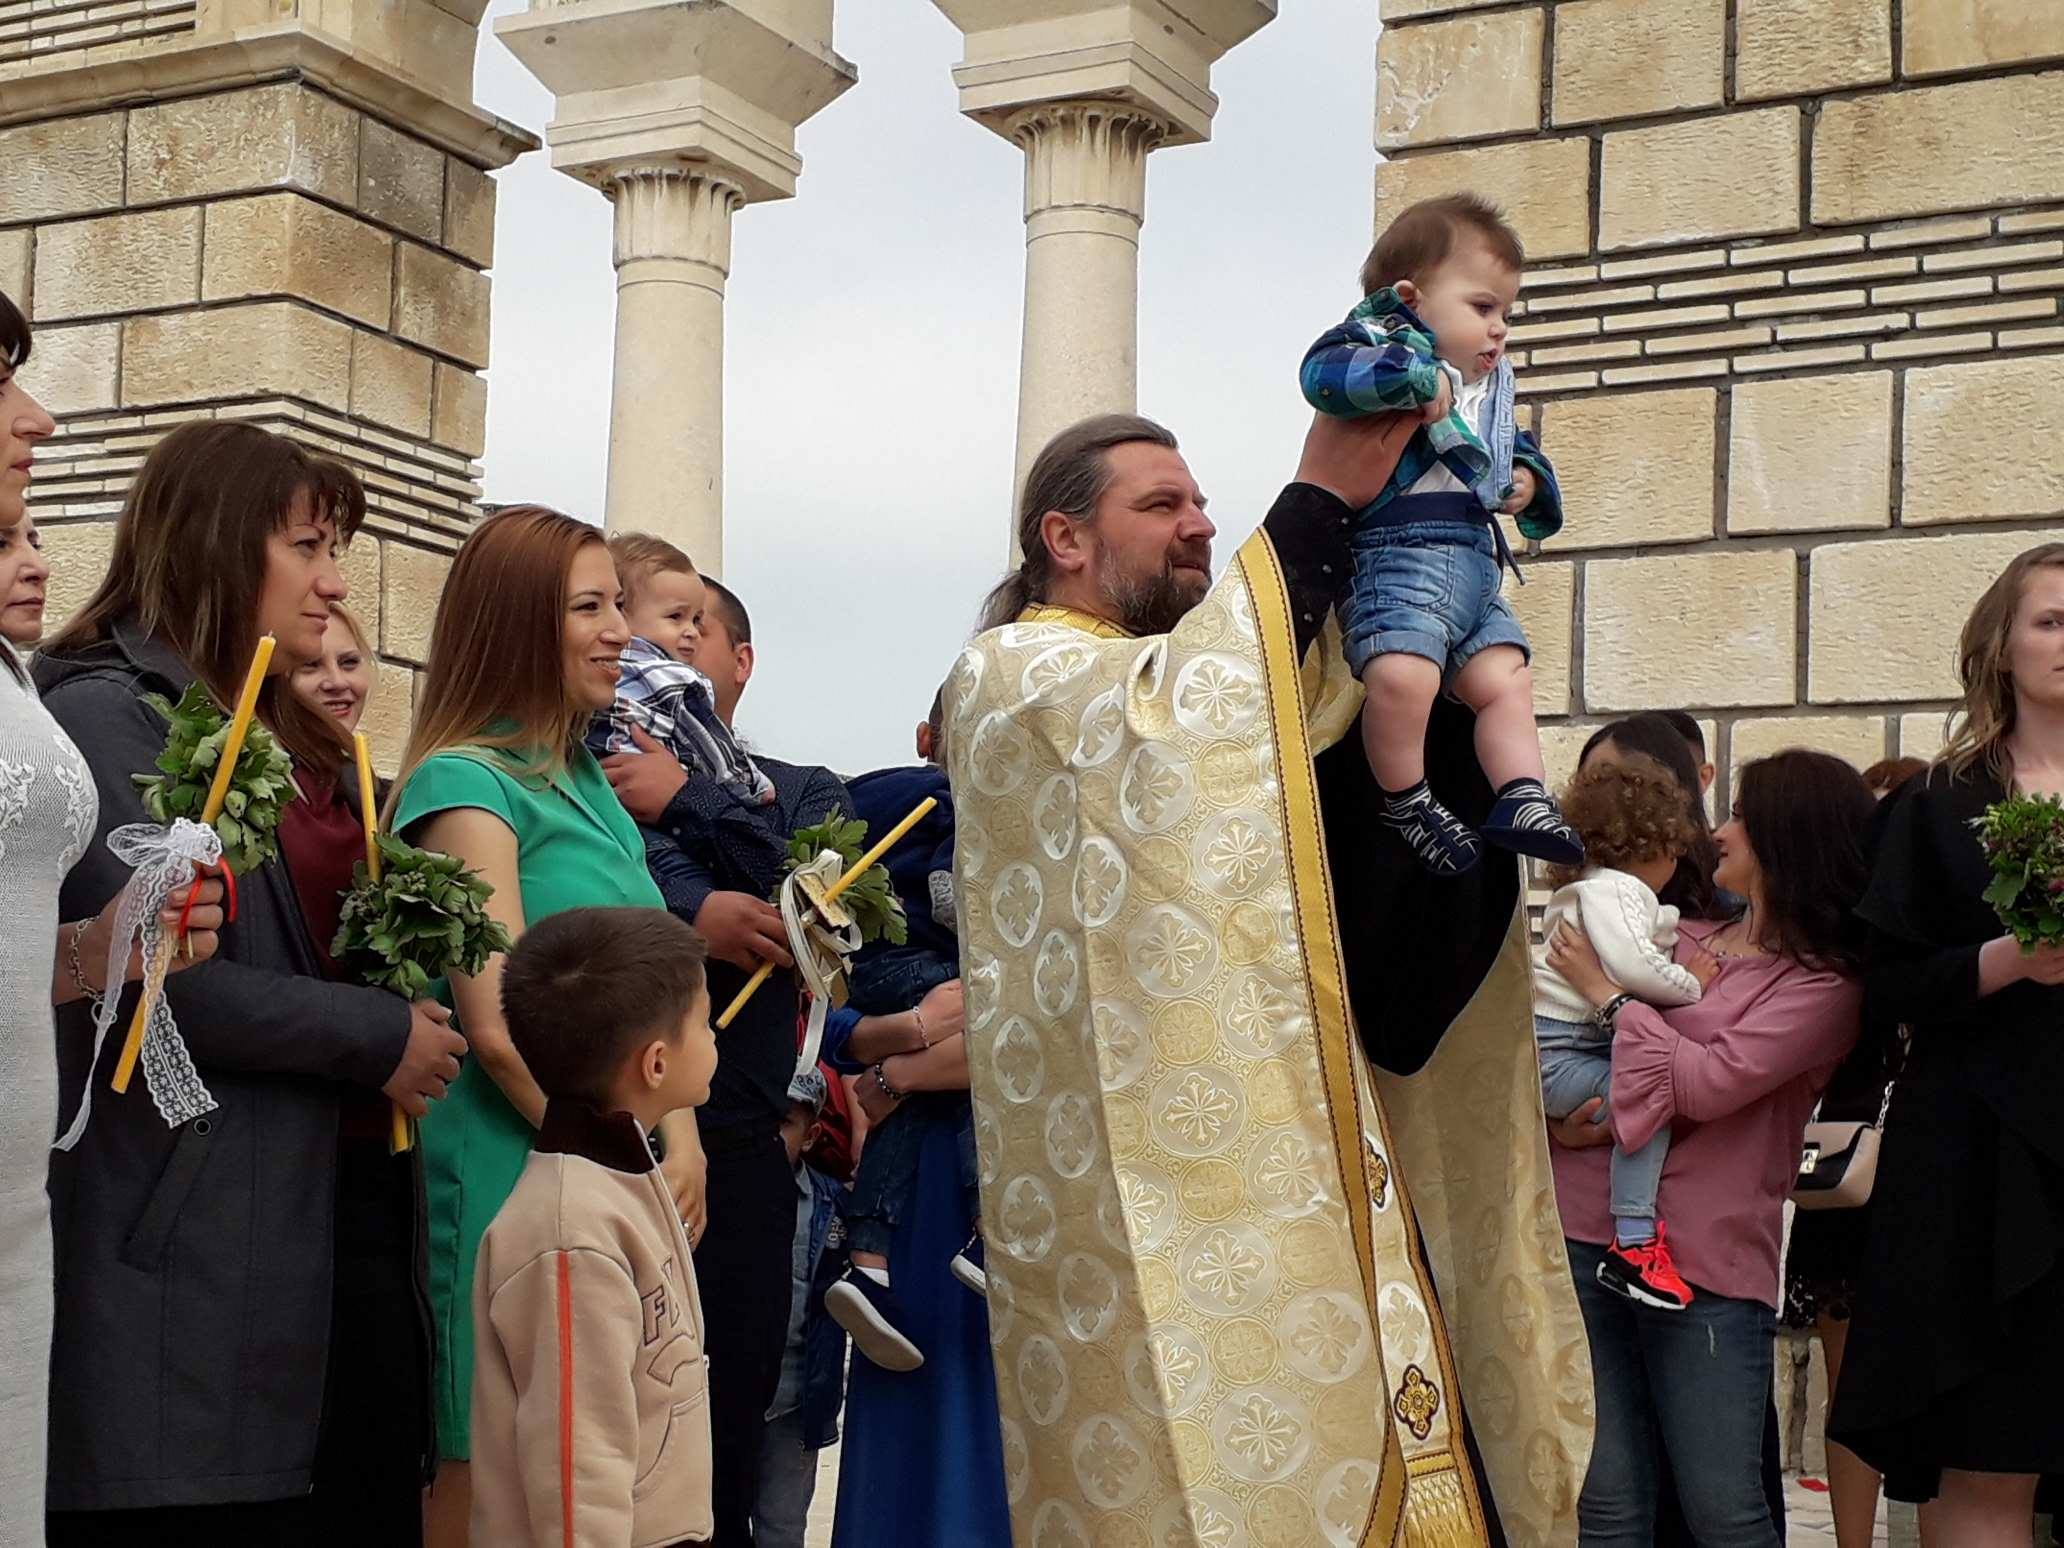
(194, 1266)
(1956, 1350)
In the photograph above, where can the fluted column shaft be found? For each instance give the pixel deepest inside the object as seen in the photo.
(666, 410)
(1085, 201)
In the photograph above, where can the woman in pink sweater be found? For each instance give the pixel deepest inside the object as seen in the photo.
(1735, 1078)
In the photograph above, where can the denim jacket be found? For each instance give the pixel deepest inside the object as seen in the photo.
(1382, 360)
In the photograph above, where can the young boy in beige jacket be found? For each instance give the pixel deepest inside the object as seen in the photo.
(590, 1393)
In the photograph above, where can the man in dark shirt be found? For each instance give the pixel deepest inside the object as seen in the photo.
(718, 861)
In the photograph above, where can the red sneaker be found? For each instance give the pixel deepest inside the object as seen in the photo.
(1645, 1274)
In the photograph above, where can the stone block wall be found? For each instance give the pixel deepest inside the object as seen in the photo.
(47, 30)
(306, 250)
(1790, 333)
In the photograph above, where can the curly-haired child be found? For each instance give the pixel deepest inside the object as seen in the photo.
(1635, 827)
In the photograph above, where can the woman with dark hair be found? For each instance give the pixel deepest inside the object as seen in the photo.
(197, 1384)
(1956, 1350)
(1735, 1077)
(24, 582)
(1824, 1261)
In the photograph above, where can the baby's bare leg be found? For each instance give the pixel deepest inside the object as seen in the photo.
(1499, 685)
(1401, 690)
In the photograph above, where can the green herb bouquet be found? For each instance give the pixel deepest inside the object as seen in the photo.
(2023, 837)
(871, 898)
(425, 916)
(261, 783)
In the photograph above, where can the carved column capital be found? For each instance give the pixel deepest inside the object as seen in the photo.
(1086, 155)
(673, 213)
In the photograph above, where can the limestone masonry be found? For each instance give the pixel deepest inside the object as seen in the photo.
(1791, 331)
(279, 210)
(1790, 334)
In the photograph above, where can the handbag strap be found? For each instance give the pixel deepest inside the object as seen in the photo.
(1904, 1034)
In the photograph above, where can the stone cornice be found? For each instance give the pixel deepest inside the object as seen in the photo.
(255, 55)
(1155, 55)
(1124, 74)
(694, 125)
(693, 84)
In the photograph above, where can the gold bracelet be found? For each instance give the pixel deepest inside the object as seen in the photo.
(917, 1015)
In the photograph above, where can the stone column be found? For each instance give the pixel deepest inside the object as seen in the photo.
(666, 419)
(1087, 95)
(1085, 200)
(679, 115)
(272, 210)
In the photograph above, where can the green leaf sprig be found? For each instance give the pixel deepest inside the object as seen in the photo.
(261, 784)
(2023, 838)
(871, 900)
(425, 916)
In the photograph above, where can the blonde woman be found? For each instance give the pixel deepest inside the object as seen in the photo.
(1956, 1350)
(339, 681)
(524, 650)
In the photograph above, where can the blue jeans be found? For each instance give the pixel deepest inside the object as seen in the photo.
(788, 1482)
(888, 1166)
(1576, 1065)
(1426, 588)
(1695, 1383)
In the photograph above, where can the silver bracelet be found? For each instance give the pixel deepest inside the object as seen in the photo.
(78, 970)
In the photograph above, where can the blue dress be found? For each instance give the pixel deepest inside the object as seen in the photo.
(923, 1455)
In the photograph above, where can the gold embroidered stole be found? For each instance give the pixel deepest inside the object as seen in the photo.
(1211, 1316)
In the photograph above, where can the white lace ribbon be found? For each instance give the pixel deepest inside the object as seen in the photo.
(160, 860)
(821, 953)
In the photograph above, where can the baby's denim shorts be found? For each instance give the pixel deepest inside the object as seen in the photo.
(1426, 588)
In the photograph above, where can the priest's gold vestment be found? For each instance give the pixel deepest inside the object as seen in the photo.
(1238, 1277)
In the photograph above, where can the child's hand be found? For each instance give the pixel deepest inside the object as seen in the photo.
(1523, 490)
(1703, 966)
(1438, 406)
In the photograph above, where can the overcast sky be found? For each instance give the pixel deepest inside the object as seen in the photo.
(872, 344)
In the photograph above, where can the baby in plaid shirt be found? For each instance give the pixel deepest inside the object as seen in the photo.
(1424, 614)
(658, 691)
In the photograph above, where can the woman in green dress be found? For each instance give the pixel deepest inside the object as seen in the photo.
(524, 650)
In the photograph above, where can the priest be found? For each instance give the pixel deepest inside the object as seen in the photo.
(1273, 1249)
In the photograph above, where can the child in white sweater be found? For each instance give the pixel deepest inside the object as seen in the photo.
(1635, 827)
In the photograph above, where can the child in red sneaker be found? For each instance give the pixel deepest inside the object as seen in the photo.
(1635, 828)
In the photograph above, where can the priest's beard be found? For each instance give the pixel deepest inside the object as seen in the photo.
(1150, 604)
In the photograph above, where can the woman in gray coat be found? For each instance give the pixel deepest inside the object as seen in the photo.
(191, 1384)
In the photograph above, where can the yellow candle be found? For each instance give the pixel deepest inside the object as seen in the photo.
(867, 861)
(218, 792)
(859, 869)
(399, 1137)
(365, 805)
